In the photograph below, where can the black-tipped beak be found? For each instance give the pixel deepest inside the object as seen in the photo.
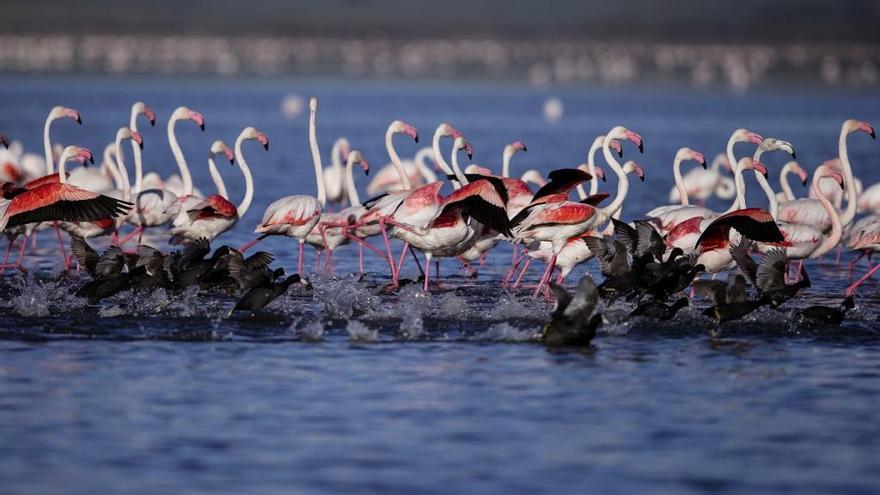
(153, 122)
(92, 159)
(642, 177)
(842, 186)
(202, 126)
(794, 155)
(604, 179)
(873, 134)
(620, 153)
(804, 182)
(141, 145)
(470, 155)
(524, 148)
(416, 138)
(266, 146)
(367, 172)
(642, 147)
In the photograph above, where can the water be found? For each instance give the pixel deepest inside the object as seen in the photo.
(350, 390)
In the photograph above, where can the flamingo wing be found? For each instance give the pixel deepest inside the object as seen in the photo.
(562, 181)
(42, 181)
(64, 203)
(212, 207)
(595, 199)
(567, 213)
(753, 223)
(481, 200)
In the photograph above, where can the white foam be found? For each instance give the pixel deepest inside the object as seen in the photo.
(359, 332)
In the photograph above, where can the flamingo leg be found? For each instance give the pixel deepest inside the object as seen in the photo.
(402, 258)
(299, 258)
(244, 247)
(513, 266)
(837, 257)
(437, 267)
(852, 288)
(388, 249)
(852, 264)
(61, 245)
(361, 258)
(547, 273)
(428, 271)
(523, 272)
(19, 264)
(138, 231)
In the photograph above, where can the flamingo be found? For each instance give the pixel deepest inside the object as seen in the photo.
(683, 195)
(108, 225)
(52, 199)
(334, 180)
(215, 214)
(811, 211)
(448, 233)
(702, 183)
(666, 219)
(296, 215)
(867, 240)
(713, 245)
(218, 147)
(157, 207)
(329, 233)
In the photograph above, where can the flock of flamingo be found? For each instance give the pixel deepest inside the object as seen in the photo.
(673, 243)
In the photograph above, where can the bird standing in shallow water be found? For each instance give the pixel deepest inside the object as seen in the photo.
(571, 323)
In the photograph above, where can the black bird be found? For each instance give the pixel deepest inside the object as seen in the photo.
(248, 276)
(768, 276)
(221, 276)
(614, 264)
(659, 311)
(258, 297)
(106, 270)
(823, 315)
(571, 323)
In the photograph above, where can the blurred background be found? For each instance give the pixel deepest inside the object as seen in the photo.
(736, 45)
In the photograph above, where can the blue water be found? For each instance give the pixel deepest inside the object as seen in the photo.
(347, 390)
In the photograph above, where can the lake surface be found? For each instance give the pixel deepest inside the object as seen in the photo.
(348, 390)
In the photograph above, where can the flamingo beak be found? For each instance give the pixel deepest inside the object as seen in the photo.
(229, 155)
(640, 172)
(73, 114)
(4, 140)
(264, 140)
(520, 146)
(469, 149)
(636, 140)
(754, 138)
(867, 128)
(151, 115)
(411, 132)
(839, 178)
(197, 118)
(701, 159)
(137, 138)
(803, 175)
(600, 173)
(615, 145)
(365, 166)
(760, 168)
(346, 149)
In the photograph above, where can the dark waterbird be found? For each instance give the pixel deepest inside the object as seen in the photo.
(573, 322)
(819, 316)
(258, 297)
(660, 311)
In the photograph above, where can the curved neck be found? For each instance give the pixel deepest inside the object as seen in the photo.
(136, 153)
(505, 161)
(392, 153)
(830, 241)
(438, 156)
(335, 156)
(215, 175)
(249, 180)
(353, 197)
(784, 186)
(462, 180)
(110, 165)
(120, 165)
(47, 146)
(178, 157)
(622, 181)
(771, 195)
(424, 170)
(316, 158)
(679, 183)
(851, 194)
(591, 166)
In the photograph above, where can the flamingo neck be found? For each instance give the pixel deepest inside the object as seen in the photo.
(62, 162)
(851, 194)
(47, 145)
(591, 166)
(679, 183)
(737, 176)
(830, 241)
(178, 157)
(109, 164)
(438, 156)
(136, 153)
(215, 175)
(249, 180)
(123, 172)
(395, 159)
(424, 170)
(505, 161)
(462, 180)
(353, 197)
(771, 194)
(316, 158)
(335, 156)
(622, 181)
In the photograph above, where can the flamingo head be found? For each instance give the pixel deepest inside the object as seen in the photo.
(197, 118)
(462, 144)
(218, 147)
(690, 154)
(621, 132)
(632, 167)
(801, 173)
(4, 140)
(598, 172)
(60, 112)
(473, 168)
(746, 136)
(518, 146)
(313, 104)
(401, 127)
(140, 108)
(356, 156)
(759, 167)
(137, 138)
(344, 148)
(773, 144)
(252, 133)
(853, 125)
(78, 154)
(616, 147)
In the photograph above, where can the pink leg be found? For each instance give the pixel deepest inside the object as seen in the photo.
(852, 264)
(559, 278)
(244, 247)
(547, 274)
(361, 258)
(394, 274)
(318, 260)
(427, 269)
(513, 266)
(138, 231)
(837, 258)
(402, 258)
(523, 272)
(61, 245)
(19, 265)
(299, 259)
(852, 288)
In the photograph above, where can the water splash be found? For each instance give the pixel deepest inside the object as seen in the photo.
(311, 331)
(505, 332)
(359, 332)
